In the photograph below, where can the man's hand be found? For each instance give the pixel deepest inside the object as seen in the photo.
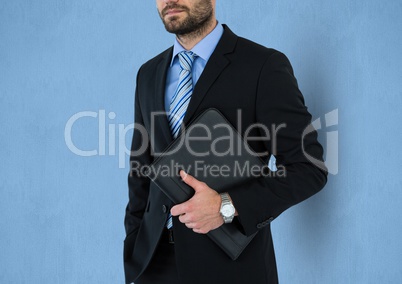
(202, 212)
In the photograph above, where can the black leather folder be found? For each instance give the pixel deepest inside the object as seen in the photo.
(211, 150)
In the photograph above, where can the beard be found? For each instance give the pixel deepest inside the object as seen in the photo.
(196, 21)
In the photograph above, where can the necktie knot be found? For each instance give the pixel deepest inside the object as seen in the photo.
(186, 59)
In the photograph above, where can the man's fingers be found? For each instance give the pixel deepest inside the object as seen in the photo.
(184, 218)
(179, 209)
(191, 225)
(201, 231)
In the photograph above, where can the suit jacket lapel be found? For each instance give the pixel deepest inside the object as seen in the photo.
(216, 64)
(161, 122)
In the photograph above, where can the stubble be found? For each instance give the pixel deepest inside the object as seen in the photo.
(194, 24)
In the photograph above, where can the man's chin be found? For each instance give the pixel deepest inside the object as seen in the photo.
(173, 27)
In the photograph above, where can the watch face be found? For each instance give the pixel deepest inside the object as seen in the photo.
(228, 210)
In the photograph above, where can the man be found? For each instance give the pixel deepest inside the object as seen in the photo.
(168, 244)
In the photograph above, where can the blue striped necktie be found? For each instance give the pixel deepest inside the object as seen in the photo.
(181, 99)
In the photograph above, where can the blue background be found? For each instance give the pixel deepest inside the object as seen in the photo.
(61, 214)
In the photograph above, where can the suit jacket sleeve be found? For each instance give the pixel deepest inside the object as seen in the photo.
(279, 101)
(138, 184)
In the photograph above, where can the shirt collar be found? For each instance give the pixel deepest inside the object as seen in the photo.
(204, 48)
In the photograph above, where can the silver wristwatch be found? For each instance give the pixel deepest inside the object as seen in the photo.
(227, 209)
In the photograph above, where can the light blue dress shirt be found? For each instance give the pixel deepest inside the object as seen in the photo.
(203, 49)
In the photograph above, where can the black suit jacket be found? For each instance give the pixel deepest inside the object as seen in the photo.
(242, 75)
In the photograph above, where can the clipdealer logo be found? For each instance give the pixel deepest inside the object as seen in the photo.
(112, 138)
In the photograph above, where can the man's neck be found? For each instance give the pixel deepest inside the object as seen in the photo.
(188, 41)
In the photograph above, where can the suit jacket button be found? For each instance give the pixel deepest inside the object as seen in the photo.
(259, 226)
(164, 208)
(271, 219)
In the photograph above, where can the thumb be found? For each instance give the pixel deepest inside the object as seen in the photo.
(191, 181)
